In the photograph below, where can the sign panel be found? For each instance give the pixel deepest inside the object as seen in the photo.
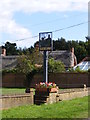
(45, 41)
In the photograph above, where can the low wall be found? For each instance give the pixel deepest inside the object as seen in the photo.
(67, 95)
(16, 100)
(63, 80)
(28, 99)
(71, 94)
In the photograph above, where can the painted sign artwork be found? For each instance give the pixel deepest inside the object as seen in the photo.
(45, 41)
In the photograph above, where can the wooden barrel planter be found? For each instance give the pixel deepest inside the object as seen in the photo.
(42, 95)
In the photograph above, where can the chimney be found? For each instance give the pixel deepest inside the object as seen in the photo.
(37, 46)
(72, 50)
(74, 59)
(3, 52)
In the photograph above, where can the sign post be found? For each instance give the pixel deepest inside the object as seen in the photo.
(45, 66)
(45, 45)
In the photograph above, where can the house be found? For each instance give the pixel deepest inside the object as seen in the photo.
(67, 57)
(7, 62)
(84, 64)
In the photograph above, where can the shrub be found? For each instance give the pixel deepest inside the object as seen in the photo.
(55, 66)
(89, 70)
(14, 70)
(77, 70)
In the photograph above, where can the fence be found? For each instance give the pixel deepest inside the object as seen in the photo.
(63, 80)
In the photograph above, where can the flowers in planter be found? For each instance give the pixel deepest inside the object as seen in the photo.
(46, 85)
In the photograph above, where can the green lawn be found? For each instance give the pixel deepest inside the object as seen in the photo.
(9, 91)
(76, 108)
(6, 91)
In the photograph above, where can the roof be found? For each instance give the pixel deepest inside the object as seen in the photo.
(86, 59)
(8, 62)
(84, 64)
(64, 56)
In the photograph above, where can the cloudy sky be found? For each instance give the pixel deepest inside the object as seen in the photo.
(26, 18)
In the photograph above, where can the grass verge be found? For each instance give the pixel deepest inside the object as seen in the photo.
(9, 91)
(76, 108)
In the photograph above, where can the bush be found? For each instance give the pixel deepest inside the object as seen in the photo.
(55, 66)
(77, 70)
(14, 70)
(89, 70)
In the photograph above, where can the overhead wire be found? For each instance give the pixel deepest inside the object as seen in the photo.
(57, 30)
(70, 26)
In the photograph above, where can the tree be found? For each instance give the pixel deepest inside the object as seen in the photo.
(24, 64)
(87, 46)
(11, 48)
(80, 53)
(26, 67)
(60, 44)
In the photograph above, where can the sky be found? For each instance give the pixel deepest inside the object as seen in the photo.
(21, 20)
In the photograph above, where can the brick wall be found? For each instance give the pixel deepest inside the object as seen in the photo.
(28, 99)
(63, 80)
(16, 100)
